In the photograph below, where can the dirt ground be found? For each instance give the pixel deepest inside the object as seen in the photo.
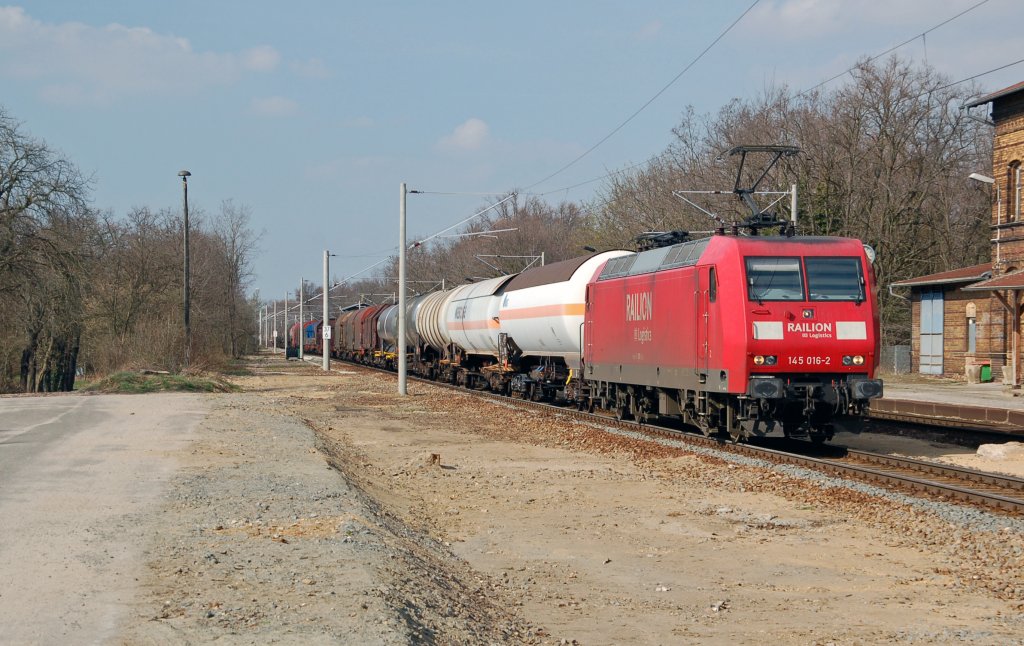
(320, 508)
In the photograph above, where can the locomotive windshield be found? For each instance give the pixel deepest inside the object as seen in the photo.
(774, 279)
(781, 279)
(834, 279)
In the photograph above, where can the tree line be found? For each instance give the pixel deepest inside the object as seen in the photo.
(82, 290)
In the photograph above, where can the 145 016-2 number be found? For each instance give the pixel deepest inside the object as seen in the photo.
(810, 361)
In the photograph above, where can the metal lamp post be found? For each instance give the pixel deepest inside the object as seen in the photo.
(184, 175)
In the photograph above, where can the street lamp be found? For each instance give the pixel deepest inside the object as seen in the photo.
(985, 179)
(184, 175)
(978, 177)
(1015, 357)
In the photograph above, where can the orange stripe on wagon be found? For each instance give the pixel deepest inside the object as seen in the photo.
(473, 325)
(570, 309)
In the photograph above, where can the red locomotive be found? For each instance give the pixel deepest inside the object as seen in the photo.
(738, 334)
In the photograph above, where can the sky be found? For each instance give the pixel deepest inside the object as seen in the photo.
(311, 114)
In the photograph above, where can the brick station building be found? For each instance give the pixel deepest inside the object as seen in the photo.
(971, 316)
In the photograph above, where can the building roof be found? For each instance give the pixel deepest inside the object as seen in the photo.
(1013, 280)
(998, 94)
(962, 275)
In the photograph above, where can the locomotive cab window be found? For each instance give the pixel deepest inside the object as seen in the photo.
(712, 285)
(774, 279)
(834, 279)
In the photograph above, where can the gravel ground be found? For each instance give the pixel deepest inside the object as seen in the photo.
(326, 509)
(262, 541)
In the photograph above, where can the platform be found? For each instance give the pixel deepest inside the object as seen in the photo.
(987, 407)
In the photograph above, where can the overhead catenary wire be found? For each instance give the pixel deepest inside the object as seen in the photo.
(415, 244)
(649, 101)
(922, 35)
(459, 224)
(875, 57)
(970, 78)
(597, 179)
(825, 82)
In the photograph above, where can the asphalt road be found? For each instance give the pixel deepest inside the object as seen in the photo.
(79, 477)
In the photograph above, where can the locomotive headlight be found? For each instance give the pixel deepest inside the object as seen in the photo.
(759, 360)
(858, 360)
(771, 360)
(847, 360)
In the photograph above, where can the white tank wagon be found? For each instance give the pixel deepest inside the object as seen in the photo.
(519, 334)
(472, 319)
(387, 324)
(387, 327)
(429, 319)
(542, 309)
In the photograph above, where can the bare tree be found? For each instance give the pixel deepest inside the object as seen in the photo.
(237, 244)
(44, 230)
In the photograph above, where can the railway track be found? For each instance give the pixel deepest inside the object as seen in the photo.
(1004, 494)
(995, 492)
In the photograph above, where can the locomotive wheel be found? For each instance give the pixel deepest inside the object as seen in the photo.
(621, 412)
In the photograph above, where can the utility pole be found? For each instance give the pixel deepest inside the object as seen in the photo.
(287, 332)
(302, 316)
(184, 175)
(274, 326)
(327, 321)
(400, 350)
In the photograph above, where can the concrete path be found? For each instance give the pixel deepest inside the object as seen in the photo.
(78, 475)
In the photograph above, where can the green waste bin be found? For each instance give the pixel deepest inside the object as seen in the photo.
(986, 373)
